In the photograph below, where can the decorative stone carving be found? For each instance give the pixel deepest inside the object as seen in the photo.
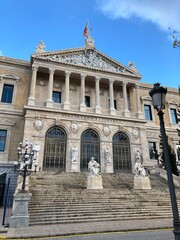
(57, 85)
(89, 41)
(106, 130)
(132, 66)
(74, 127)
(121, 127)
(41, 83)
(135, 133)
(90, 124)
(152, 135)
(40, 48)
(89, 58)
(38, 124)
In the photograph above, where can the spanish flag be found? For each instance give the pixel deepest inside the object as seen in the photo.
(85, 33)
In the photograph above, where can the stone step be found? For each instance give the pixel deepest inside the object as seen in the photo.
(97, 210)
(94, 219)
(100, 215)
(63, 198)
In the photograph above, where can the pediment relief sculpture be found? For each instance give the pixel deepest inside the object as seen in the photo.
(88, 58)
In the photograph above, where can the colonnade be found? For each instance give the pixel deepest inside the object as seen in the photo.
(66, 104)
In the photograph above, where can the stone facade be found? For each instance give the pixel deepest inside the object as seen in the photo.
(116, 105)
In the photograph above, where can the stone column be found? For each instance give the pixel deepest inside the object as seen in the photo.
(49, 101)
(111, 96)
(139, 112)
(82, 105)
(31, 99)
(126, 111)
(67, 78)
(98, 108)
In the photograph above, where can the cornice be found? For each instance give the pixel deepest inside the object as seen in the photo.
(14, 61)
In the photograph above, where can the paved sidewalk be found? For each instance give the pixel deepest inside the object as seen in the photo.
(90, 227)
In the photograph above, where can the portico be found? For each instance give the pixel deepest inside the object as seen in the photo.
(66, 79)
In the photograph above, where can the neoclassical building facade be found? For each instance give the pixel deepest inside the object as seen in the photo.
(84, 100)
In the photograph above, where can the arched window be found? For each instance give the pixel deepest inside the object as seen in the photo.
(55, 149)
(90, 147)
(121, 152)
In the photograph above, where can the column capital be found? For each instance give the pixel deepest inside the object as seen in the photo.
(67, 72)
(35, 67)
(97, 78)
(124, 83)
(83, 75)
(136, 85)
(51, 70)
(111, 80)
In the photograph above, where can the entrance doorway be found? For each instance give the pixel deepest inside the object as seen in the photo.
(121, 152)
(90, 147)
(55, 150)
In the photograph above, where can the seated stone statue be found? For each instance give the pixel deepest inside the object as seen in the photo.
(93, 167)
(139, 170)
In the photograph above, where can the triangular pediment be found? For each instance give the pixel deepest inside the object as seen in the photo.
(9, 76)
(88, 58)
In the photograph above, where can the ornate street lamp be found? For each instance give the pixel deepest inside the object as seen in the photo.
(158, 94)
(26, 157)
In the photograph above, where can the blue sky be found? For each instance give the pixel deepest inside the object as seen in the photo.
(126, 30)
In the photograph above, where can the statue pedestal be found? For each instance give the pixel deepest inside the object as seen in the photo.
(94, 182)
(20, 217)
(141, 182)
(74, 167)
(109, 168)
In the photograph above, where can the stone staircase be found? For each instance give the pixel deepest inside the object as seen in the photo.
(63, 198)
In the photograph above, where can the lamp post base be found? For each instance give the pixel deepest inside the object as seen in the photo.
(20, 217)
(176, 230)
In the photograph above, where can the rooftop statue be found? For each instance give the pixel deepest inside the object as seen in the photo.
(40, 48)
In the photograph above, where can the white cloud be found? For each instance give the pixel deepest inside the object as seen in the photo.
(163, 13)
(1, 54)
